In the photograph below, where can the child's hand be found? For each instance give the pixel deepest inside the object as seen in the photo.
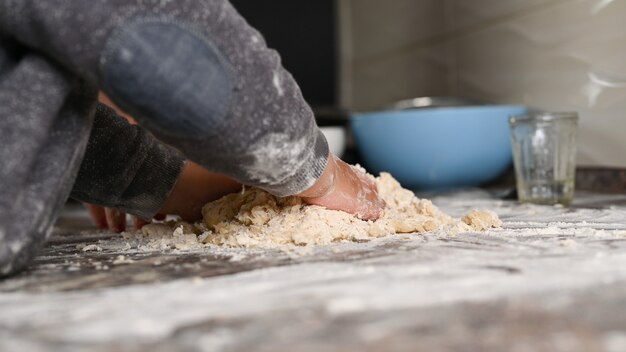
(113, 219)
(194, 188)
(343, 187)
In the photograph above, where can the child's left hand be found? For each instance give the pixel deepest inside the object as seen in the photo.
(113, 219)
(194, 188)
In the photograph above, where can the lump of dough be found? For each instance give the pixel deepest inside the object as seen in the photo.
(256, 218)
(482, 219)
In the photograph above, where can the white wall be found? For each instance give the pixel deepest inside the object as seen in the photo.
(388, 53)
(548, 54)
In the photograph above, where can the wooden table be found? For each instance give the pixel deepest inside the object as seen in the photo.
(554, 279)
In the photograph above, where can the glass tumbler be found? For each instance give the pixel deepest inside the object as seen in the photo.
(544, 154)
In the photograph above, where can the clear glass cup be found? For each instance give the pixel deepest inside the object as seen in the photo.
(544, 154)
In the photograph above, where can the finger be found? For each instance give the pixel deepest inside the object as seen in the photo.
(370, 204)
(373, 210)
(138, 222)
(116, 219)
(97, 215)
(368, 211)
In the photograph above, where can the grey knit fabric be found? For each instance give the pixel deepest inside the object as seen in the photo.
(125, 167)
(267, 136)
(193, 73)
(44, 125)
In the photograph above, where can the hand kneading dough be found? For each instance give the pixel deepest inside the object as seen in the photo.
(256, 218)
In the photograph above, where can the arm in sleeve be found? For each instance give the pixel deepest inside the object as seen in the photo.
(125, 167)
(192, 72)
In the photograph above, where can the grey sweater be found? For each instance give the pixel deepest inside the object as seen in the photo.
(192, 72)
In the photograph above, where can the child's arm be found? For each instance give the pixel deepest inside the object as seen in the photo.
(199, 78)
(126, 168)
(193, 73)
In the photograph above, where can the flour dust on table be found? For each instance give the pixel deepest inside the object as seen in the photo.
(255, 218)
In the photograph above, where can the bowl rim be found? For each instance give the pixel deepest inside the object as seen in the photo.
(426, 111)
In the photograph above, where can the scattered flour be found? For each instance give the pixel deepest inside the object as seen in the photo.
(163, 236)
(255, 218)
(121, 259)
(89, 248)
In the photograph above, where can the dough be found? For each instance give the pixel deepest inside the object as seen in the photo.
(482, 220)
(255, 218)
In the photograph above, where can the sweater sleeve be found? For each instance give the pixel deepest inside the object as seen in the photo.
(125, 167)
(193, 73)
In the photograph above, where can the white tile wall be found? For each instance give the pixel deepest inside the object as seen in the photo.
(389, 52)
(548, 54)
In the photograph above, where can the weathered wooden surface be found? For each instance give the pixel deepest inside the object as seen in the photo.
(553, 280)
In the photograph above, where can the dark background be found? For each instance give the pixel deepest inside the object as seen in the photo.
(305, 35)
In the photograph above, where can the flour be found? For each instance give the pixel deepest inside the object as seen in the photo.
(255, 218)
(121, 259)
(88, 248)
(166, 236)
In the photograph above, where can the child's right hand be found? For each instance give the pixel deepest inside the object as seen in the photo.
(344, 187)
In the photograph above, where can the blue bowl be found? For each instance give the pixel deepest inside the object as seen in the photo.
(437, 148)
